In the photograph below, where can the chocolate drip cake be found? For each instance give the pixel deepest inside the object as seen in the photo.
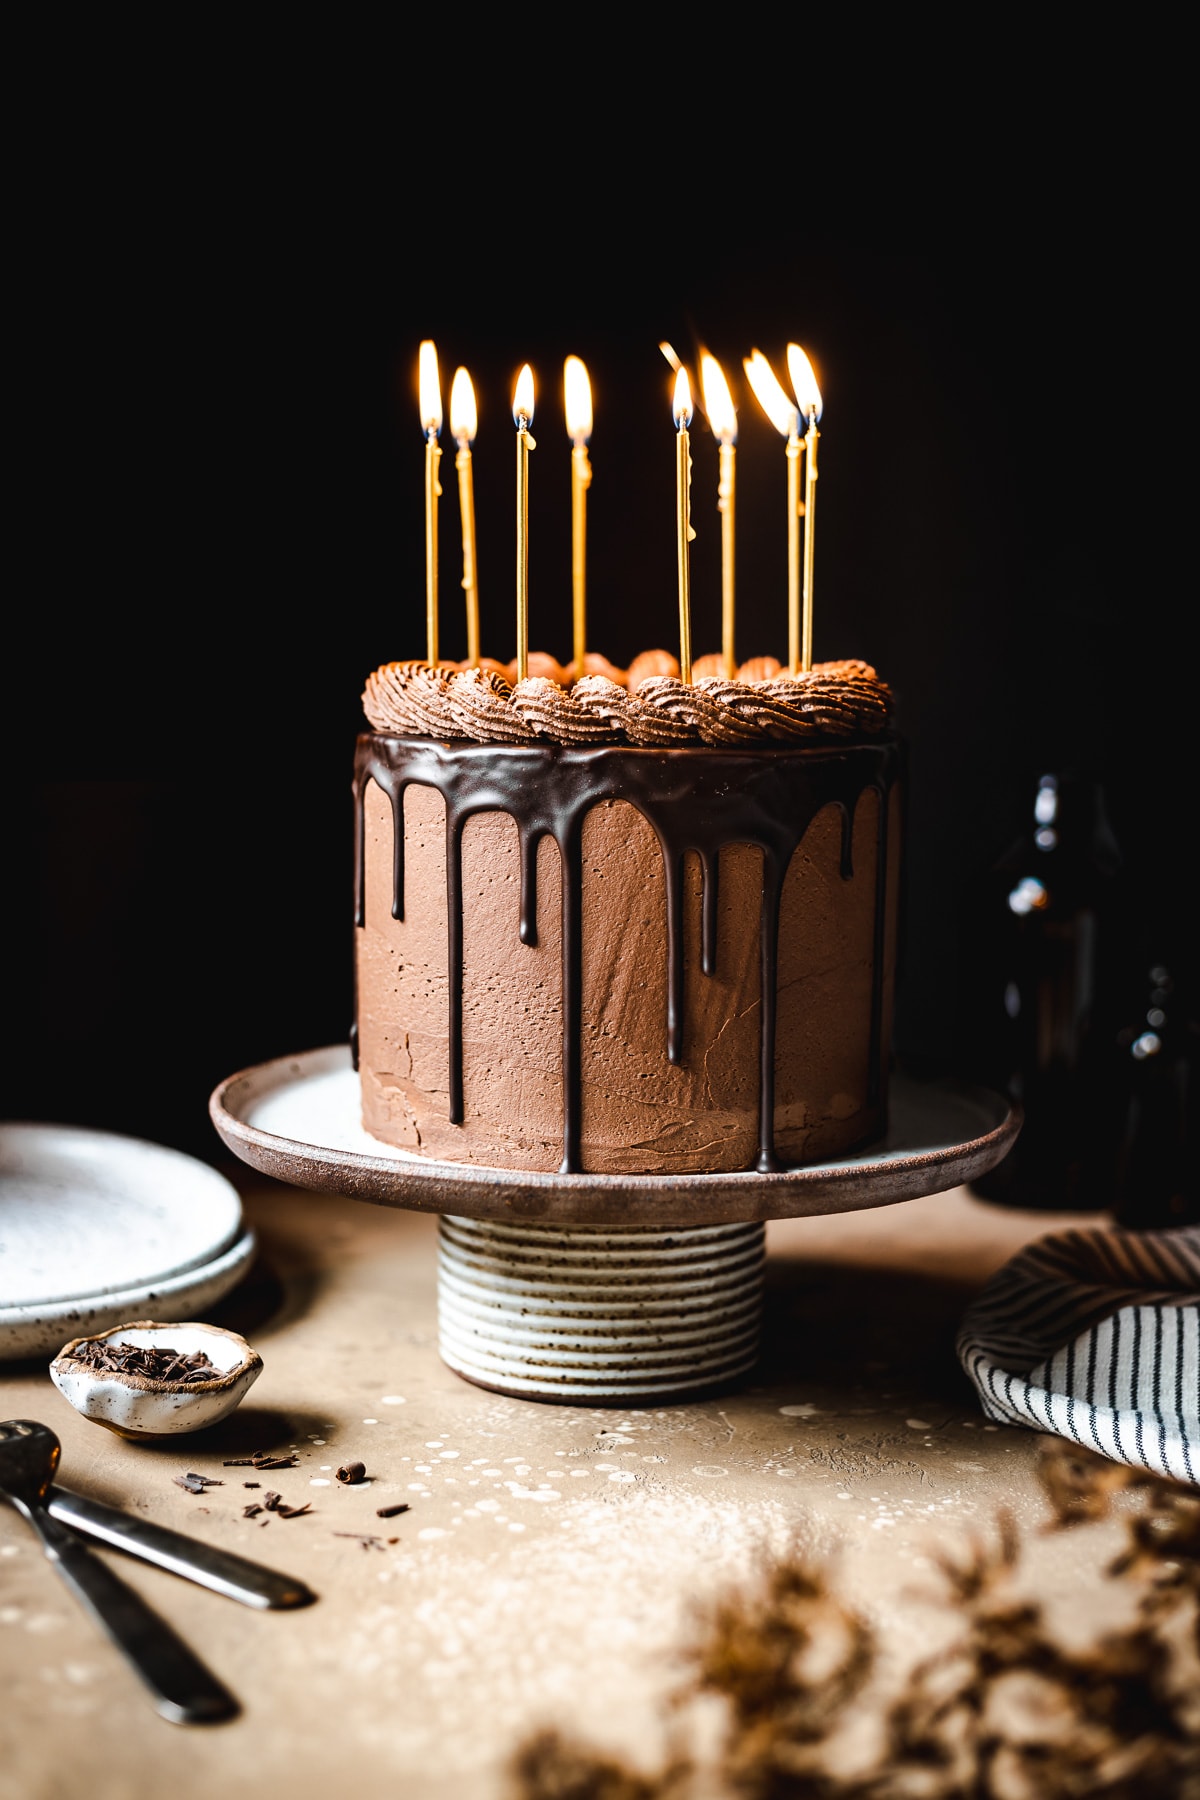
(624, 924)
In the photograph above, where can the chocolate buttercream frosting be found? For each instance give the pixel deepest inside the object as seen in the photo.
(655, 711)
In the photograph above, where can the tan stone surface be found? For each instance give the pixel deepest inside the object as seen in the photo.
(546, 1571)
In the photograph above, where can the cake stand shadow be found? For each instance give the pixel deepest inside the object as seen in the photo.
(597, 1289)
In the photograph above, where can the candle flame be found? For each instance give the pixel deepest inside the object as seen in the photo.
(464, 418)
(718, 401)
(430, 388)
(770, 395)
(682, 405)
(578, 395)
(804, 382)
(523, 397)
(669, 353)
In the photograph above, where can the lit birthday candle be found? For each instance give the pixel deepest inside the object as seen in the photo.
(430, 395)
(523, 419)
(682, 408)
(722, 416)
(808, 398)
(577, 393)
(464, 422)
(784, 415)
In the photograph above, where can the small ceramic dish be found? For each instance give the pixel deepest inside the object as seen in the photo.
(137, 1405)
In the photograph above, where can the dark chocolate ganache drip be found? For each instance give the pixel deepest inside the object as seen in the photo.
(695, 798)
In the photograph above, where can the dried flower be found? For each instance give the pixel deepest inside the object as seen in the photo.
(1004, 1710)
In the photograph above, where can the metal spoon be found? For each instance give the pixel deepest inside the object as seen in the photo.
(221, 1570)
(183, 1689)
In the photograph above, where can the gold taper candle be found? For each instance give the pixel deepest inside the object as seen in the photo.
(431, 423)
(464, 422)
(795, 456)
(722, 416)
(577, 395)
(683, 516)
(523, 417)
(808, 398)
(785, 417)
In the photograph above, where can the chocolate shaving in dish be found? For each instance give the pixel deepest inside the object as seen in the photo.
(195, 1484)
(391, 1512)
(352, 1471)
(156, 1362)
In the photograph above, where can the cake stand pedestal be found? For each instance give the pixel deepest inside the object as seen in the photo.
(597, 1289)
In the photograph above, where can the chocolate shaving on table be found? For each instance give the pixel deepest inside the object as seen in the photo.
(390, 1512)
(261, 1460)
(156, 1362)
(352, 1471)
(252, 1511)
(369, 1540)
(274, 1502)
(655, 710)
(195, 1484)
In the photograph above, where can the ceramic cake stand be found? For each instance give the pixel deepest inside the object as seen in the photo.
(602, 1288)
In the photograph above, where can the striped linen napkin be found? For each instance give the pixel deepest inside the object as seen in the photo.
(1095, 1335)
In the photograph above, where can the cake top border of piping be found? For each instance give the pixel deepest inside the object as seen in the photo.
(650, 710)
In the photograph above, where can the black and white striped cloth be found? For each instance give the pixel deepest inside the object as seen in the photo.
(1095, 1335)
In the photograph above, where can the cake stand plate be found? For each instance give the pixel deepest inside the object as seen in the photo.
(605, 1289)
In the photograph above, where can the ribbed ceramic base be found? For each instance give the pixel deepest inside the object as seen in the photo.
(583, 1313)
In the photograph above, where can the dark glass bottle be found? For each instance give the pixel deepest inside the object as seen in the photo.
(1041, 943)
(1157, 1175)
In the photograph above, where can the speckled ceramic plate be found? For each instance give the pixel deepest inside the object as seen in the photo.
(42, 1330)
(88, 1213)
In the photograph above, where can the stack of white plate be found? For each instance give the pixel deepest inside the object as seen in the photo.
(98, 1230)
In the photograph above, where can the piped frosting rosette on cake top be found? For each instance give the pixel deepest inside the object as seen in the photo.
(647, 706)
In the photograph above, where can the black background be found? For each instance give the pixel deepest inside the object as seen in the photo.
(217, 525)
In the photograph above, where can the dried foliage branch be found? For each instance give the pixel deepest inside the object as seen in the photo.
(1005, 1712)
